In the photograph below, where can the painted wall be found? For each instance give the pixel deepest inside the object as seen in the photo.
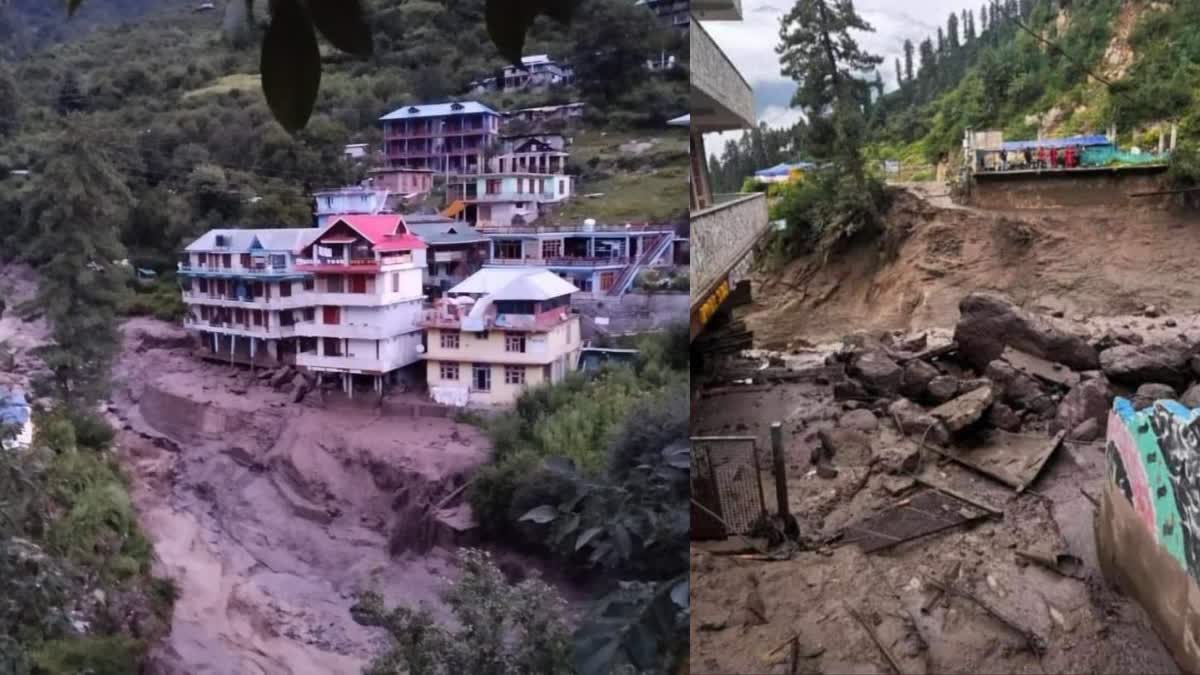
(1148, 526)
(461, 390)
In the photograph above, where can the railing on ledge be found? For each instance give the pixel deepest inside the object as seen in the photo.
(265, 270)
(563, 261)
(607, 228)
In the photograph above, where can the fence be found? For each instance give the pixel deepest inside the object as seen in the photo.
(727, 482)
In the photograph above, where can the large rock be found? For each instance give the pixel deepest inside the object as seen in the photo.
(281, 376)
(1003, 417)
(878, 373)
(962, 412)
(1191, 397)
(1018, 389)
(1088, 400)
(1165, 362)
(916, 377)
(990, 322)
(1150, 392)
(915, 421)
(943, 388)
(859, 420)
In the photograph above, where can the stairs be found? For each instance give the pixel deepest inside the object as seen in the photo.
(656, 249)
(456, 207)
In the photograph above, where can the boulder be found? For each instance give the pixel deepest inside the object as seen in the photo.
(859, 420)
(916, 377)
(1191, 397)
(299, 392)
(1003, 417)
(963, 411)
(904, 458)
(281, 376)
(1165, 362)
(1194, 365)
(1088, 400)
(990, 321)
(877, 372)
(1086, 431)
(827, 471)
(897, 485)
(943, 388)
(849, 390)
(845, 443)
(1018, 389)
(916, 422)
(1150, 392)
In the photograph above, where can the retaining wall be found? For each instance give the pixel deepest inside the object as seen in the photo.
(1081, 188)
(1148, 523)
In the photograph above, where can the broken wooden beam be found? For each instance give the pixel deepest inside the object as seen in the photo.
(875, 638)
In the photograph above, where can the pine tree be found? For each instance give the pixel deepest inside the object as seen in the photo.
(928, 61)
(908, 60)
(969, 21)
(899, 74)
(10, 102)
(952, 31)
(75, 216)
(941, 42)
(818, 51)
(983, 18)
(70, 95)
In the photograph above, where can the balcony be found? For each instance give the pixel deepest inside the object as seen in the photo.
(240, 329)
(353, 331)
(609, 228)
(347, 363)
(717, 10)
(721, 99)
(294, 301)
(343, 265)
(722, 236)
(259, 272)
(561, 261)
(502, 197)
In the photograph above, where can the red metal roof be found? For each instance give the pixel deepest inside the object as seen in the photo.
(402, 242)
(373, 227)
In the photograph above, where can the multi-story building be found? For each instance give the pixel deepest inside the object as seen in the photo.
(538, 71)
(674, 13)
(366, 295)
(450, 138)
(506, 330)
(534, 153)
(456, 250)
(244, 294)
(512, 198)
(724, 228)
(354, 199)
(540, 115)
(600, 259)
(407, 184)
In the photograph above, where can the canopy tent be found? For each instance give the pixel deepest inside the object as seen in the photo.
(1084, 141)
(783, 169)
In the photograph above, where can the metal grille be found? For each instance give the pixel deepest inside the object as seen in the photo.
(726, 481)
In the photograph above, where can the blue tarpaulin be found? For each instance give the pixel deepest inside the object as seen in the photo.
(14, 410)
(1085, 141)
(783, 169)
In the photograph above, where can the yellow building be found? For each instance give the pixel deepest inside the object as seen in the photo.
(500, 331)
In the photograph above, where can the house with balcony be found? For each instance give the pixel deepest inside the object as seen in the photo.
(403, 184)
(456, 250)
(599, 259)
(357, 199)
(451, 138)
(513, 198)
(673, 13)
(534, 153)
(501, 331)
(538, 71)
(244, 294)
(366, 298)
(724, 228)
(540, 115)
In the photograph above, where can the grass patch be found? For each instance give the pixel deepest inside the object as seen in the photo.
(111, 655)
(658, 196)
(247, 83)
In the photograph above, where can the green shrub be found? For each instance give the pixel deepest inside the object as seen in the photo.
(92, 430)
(109, 655)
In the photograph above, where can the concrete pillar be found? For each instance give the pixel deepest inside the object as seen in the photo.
(273, 349)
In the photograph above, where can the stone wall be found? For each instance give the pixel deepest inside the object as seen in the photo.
(722, 237)
(1148, 524)
(631, 313)
(1057, 190)
(713, 74)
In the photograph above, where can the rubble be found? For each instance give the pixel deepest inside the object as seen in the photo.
(916, 377)
(877, 373)
(1148, 393)
(965, 410)
(1088, 400)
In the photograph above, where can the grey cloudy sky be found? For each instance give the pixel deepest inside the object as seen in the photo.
(750, 43)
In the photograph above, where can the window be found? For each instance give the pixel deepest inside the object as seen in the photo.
(514, 343)
(310, 314)
(358, 284)
(520, 186)
(203, 285)
(493, 186)
(334, 284)
(227, 260)
(481, 377)
(333, 347)
(562, 187)
(256, 289)
(395, 282)
(245, 261)
(449, 371)
(285, 289)
(514, 375)
(186, 283)
(258, 318)
(449, 340)
(508, 249)
(309, 284)
(552, 248)
(330, 315)
(202, 259)
(239, 316)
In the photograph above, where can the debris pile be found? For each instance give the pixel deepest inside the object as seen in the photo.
(940, 483)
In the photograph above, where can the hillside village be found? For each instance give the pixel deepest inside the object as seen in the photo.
(472, 302)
